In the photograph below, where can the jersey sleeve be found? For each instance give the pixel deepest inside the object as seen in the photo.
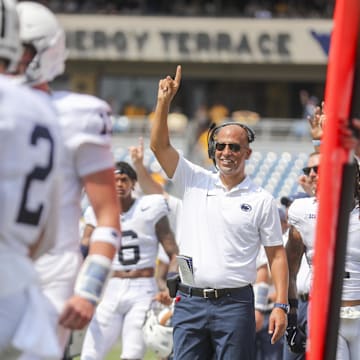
(270, 226)
(158, 206)
(294, 215)
(87, 125)
(92, 158)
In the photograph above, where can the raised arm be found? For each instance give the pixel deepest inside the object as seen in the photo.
(160, 144)
(147, 184)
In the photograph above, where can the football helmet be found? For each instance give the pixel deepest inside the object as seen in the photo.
(158, 334)
(10, 46)
(40, 28)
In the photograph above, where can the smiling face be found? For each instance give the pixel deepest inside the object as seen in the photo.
(229, 159)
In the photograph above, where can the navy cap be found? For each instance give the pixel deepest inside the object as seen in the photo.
(287, 200)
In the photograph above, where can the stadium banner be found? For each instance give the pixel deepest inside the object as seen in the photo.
(332, 188)
(262, 41)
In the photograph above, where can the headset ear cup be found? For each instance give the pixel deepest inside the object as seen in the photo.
(211, 149)
(211, 143)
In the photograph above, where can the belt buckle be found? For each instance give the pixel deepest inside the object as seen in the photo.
(207, 293)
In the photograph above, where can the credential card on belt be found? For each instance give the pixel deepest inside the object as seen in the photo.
(186, 269)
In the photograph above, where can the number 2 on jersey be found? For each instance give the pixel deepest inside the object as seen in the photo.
(32, 217)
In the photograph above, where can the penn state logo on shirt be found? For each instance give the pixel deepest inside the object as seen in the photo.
(245, 207)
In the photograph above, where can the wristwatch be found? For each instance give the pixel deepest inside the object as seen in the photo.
(285, 307)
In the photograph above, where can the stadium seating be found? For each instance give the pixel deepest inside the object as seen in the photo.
(277, 172)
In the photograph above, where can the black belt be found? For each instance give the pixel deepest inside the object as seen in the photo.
(209, 293)
(304, 297)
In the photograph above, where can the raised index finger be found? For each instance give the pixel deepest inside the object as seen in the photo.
(178, 74)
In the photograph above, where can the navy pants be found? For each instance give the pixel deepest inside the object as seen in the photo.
(221, 329)
(264, 349)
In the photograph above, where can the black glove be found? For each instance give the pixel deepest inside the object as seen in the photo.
(295, 335)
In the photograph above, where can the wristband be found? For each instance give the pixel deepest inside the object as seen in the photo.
(316, 143)
(284, 307)
(106, 234)
(261, 291)
(92, 277)
(172, 274)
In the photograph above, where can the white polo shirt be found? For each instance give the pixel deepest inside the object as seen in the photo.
(222, 230)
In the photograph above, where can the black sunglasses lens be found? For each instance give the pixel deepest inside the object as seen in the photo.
(307, 170)
(232, 147)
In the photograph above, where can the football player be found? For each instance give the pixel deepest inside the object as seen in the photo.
(132, 287)
(30, 150)
(302, 218)
(87, 163)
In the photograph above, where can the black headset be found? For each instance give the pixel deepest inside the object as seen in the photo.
(213, 129)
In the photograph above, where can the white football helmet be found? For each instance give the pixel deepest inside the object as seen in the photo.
(40, 28)
(157, 337)
(10, 46)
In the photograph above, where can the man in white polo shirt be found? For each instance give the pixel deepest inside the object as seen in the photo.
(225, 219)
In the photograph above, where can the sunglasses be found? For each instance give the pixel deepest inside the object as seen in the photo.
(307, 170)
(232, 147)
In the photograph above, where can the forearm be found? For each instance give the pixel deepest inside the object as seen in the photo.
(159, 139)
(292, 292)
(147, 184)
(280, 277)
(173, 265)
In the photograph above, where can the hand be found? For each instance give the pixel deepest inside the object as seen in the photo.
(137, 153)
(77, 313)
(168, 87)
(295, 335)
(306, 184)
(163, 297)
(277, 324)
(317, 122)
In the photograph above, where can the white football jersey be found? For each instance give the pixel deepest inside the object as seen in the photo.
(30, 146)
(302, 215)
(86, 129)
(351, 285)
(139, 243)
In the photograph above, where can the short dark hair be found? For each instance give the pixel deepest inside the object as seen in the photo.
(122, 167)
